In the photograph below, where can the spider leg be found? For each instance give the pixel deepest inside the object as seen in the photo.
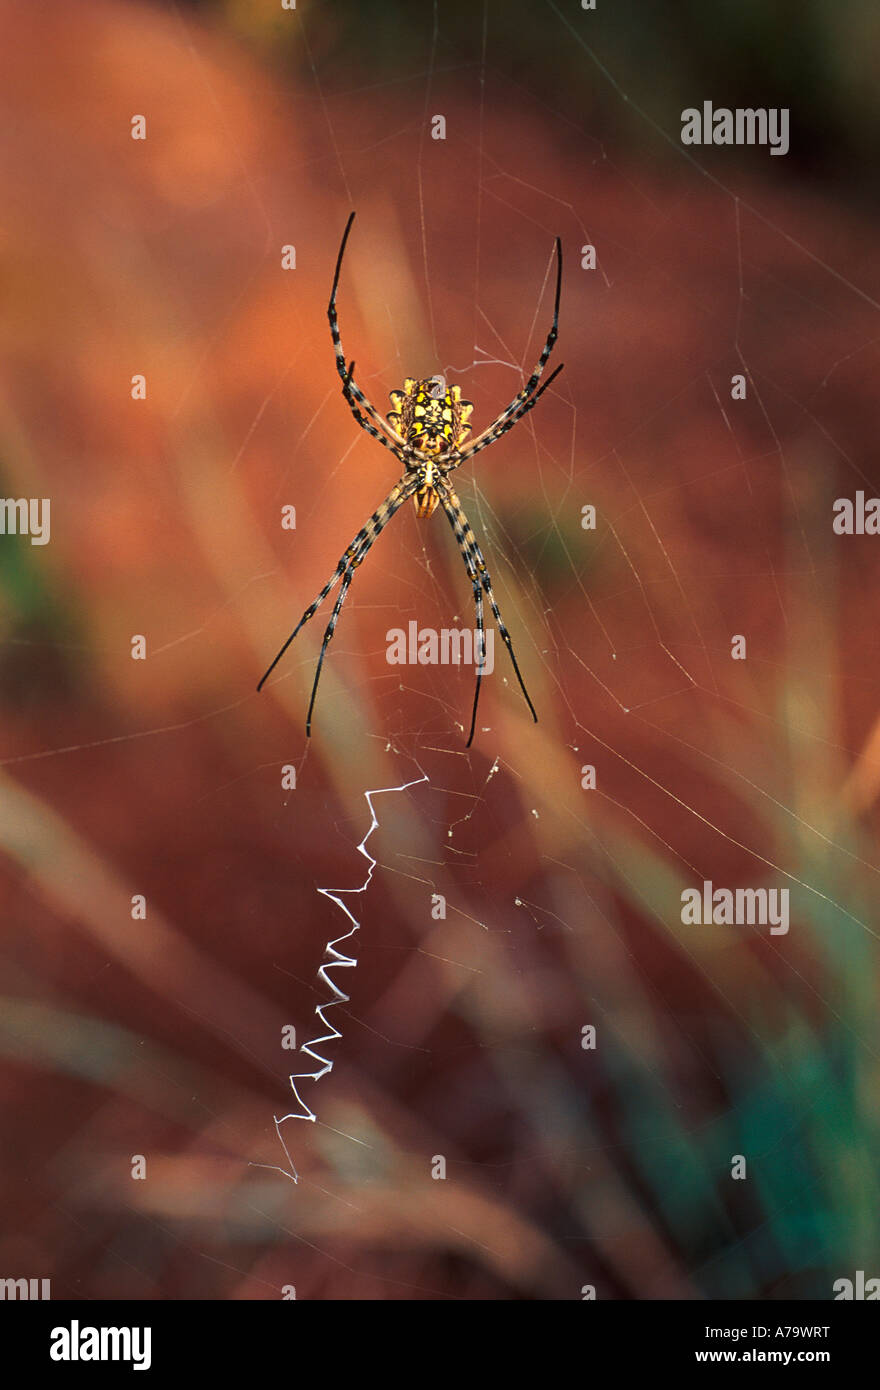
(478, 604)
(489, 434)
(399, 443)
(466, 538)
(329, 631)
(350, 390)
(348, 562)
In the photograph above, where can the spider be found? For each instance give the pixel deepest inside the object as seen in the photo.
(426, 431)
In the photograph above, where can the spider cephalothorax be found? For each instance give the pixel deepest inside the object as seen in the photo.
(427, 432)
(432, 419)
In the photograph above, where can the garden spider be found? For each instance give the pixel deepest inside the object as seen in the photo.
(425, 431)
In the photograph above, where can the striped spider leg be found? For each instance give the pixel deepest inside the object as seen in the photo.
(449, 503)
(353, 556)
(507, 422)
(353, 394)
(479, 573)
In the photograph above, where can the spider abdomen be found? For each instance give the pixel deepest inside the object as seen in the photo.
(429, 416)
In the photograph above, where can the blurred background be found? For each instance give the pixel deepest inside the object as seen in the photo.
(165, 777)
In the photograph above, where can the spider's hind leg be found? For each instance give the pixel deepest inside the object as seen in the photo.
(353, 556)
(476, 567)
(479, 656)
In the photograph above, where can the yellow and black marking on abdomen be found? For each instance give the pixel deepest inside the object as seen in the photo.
(433, 419)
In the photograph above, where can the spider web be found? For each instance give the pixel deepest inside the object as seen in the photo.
(459, 1035)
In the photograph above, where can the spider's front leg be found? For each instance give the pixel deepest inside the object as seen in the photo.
(359, 404)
